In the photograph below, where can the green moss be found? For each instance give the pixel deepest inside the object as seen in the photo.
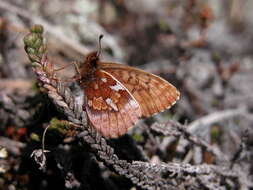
(215, 102)
(35, 87)
(216, 57)
(215, 133)
(138, 137)
(164, 26)
(58, 125)
(35, 137)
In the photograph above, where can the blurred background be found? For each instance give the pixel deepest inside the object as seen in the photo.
(203, 47)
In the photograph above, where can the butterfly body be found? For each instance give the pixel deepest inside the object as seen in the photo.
(87, 70)
(116, 95)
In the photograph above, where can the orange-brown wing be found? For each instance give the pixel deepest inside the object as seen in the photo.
(153, 93)
(110, 107)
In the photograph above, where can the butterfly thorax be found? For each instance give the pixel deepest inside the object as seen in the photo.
(88, 68)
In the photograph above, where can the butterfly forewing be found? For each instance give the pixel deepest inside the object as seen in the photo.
(110, 106)
(152, 93)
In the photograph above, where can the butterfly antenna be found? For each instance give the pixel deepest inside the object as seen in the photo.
(99, 45)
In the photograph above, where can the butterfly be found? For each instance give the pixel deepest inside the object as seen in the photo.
(117, 96)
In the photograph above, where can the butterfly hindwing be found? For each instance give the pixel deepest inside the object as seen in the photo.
(153, 93)
(110, 106)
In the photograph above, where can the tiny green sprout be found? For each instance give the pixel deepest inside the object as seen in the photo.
(35, 87)
(215, 102)
(215, 133)
(34, 46)
(138, 137)
(37, 28)
(31, 38)
(38, 42)
(30, 50)
(216, 57)
(164, 26)
(35, 137)
(56, 124)
(169, 116)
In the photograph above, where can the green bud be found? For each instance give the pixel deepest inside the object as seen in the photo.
(34, 46)
(38, 43)
(35, 137)
(30, 39)
(138, 137)
(216, 57)
(30, 50)
(37, 28)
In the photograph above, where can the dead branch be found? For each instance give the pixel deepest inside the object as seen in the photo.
(175, 129)
(216, 117)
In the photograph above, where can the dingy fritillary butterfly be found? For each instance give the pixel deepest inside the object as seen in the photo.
(116, 95)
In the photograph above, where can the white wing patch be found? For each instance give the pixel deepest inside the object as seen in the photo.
(104, 80)
(111, 104)
(117, 87)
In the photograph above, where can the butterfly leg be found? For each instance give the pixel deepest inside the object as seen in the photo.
(72, 79)
(64, 67)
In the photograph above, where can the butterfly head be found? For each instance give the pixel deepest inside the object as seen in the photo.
(92, 59)
(88, 68)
